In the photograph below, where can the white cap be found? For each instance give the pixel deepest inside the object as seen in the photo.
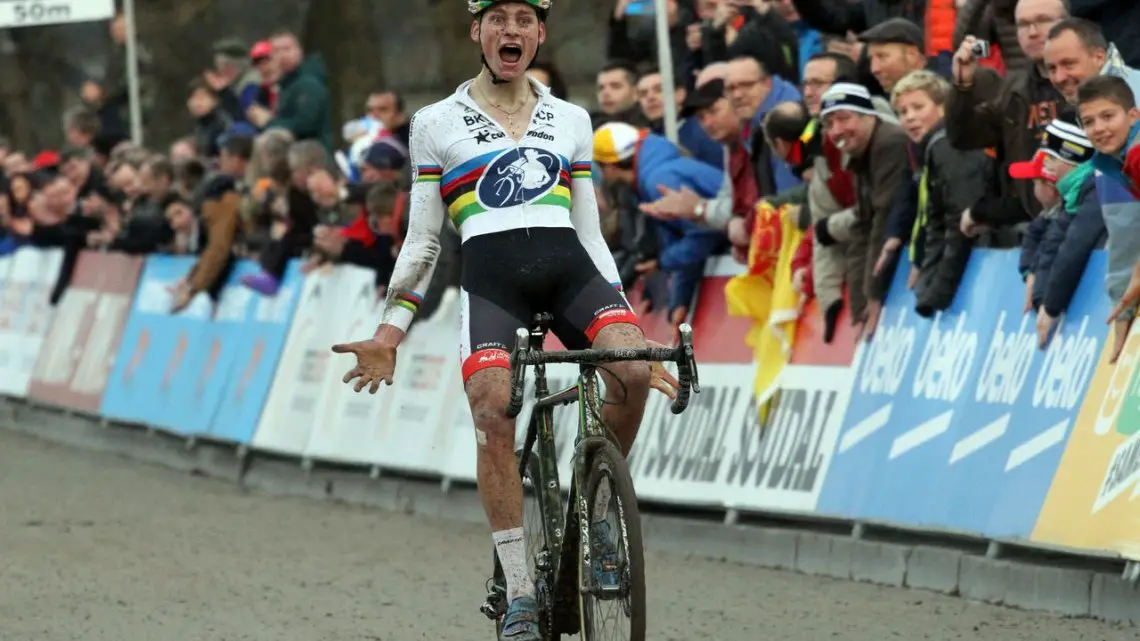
(615, 142)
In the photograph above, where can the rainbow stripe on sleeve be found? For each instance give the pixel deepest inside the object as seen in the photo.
(428, 173)
(408, 300)
(581, 169)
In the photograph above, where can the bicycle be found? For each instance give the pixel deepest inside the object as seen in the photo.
(566, 586)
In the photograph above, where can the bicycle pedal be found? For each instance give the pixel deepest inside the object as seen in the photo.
(491, 610)
(609, 592)
(493, 606)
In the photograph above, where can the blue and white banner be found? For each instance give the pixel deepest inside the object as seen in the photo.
(252, 328)
(153, 380)
(959, 422)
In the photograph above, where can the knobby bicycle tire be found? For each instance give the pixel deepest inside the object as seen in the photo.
(607, 463)
(535, 541)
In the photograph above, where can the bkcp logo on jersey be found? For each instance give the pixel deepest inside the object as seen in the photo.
(517, 176)
(482, 128)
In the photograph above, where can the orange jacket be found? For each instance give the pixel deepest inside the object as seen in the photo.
(940, 18)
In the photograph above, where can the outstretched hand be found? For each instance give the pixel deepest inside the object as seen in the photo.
(659, 378)
(375, 362)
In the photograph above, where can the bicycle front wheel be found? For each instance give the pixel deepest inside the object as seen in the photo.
(613, 606)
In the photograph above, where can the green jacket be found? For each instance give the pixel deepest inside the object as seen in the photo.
(303, 104)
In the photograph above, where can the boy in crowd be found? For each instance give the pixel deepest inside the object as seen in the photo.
(1058, 244)
(948, 182)
(1110, 118)
(205, 105)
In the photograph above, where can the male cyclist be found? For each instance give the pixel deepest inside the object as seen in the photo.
(510, 164)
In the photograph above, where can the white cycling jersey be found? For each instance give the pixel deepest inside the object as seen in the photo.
(467, 166)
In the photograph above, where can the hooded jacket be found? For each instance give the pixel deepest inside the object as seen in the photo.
(1121, 209)
(683, 246)
(303, 104)
(949, 181)
(1070, 238)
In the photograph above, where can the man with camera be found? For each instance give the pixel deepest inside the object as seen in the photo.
(987, 111)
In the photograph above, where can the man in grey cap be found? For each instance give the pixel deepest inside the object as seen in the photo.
(231, 74)
(895, 48)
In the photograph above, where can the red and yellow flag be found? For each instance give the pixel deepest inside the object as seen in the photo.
(765, 294)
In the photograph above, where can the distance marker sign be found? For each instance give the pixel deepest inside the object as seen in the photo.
(32, 13)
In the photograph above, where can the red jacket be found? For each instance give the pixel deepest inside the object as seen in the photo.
(802, 260)
(360, 229)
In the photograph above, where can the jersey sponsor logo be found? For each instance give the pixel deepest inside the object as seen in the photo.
(481, 127)
(541, 135)
(518, 176)
(488, 135)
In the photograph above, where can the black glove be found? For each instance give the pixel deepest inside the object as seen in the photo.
(822, 234)
(831, 320)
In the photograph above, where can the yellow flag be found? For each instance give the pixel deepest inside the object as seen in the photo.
(766, 295)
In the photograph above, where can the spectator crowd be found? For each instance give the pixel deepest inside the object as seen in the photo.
(881, 128)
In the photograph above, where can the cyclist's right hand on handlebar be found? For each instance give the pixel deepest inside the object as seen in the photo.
(375, 362)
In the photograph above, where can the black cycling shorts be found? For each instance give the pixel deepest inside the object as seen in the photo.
(510, 276)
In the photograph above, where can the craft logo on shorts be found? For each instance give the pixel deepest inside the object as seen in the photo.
(518, 176)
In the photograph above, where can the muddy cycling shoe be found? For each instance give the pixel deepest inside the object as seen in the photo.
(605, 553)
(521, 621)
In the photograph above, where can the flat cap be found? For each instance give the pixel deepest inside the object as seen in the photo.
(232, 47)
(895, 31)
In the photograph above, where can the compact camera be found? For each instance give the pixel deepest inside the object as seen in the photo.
(981, 49)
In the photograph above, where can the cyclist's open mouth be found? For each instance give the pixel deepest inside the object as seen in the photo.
(510, 53)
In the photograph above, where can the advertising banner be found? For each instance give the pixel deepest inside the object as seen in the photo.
(458, 434)
(295, 405)
(686, 459)
(347, 427)
(458, 428)
(153, 381)
(202, 378)
(253, 328)
(717, 336)
(718, 454)
(1009, 437)
(809, 347)
(411, 435)
(25, 314)
(1094, 501)
(75, 362)
(782, 464)
(930, 438)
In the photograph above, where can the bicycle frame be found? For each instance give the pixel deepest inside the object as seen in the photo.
(592, 434)
(540, 434)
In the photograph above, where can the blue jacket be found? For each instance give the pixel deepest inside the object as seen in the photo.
(694, 139)
(1070, 239)
(1121, 213)
(683, 246)
(782, 91)
(811, 43)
